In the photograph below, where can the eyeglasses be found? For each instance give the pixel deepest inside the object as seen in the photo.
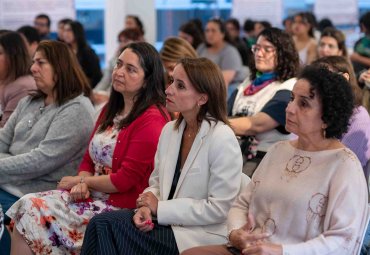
(266, 49)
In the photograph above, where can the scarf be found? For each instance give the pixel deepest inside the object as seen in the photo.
(262, 80)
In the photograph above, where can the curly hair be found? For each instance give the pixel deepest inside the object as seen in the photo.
(342, 65)
(335, 96)
(286, 54)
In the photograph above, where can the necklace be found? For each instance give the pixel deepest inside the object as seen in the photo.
(191, 134)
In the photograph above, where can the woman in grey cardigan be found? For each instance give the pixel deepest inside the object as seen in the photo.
(47, 134)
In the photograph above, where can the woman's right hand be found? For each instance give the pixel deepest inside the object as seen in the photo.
(143, 219)
(80, 192)
(365, 76)
(243, 237)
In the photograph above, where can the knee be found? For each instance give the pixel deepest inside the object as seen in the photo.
(191, 251)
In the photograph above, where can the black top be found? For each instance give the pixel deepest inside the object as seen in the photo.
(176, 175)
(89, 62)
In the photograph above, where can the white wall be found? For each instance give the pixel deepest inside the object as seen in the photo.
(114, 15)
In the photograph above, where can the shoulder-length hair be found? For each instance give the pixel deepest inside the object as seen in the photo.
(287, 59)
(206, 78)
(339, 64)
(175, 48)
(152, 93)
(338, 36)
(195, 31)
(138, 22)
(309, 19)
(16, 54)
(70, 80)
(221, 25)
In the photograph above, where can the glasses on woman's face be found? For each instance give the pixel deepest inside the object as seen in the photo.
(265, 49)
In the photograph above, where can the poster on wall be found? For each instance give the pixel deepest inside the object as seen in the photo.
(258, 10)
(340, 12)
(17, 13)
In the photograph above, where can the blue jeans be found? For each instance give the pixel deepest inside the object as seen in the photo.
(6, 201)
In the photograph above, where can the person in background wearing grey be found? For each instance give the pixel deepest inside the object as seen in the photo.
(219, 49)
(47, 134)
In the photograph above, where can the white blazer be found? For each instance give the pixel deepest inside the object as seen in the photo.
(209, 182)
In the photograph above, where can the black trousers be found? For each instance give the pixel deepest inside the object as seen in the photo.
(115, 233)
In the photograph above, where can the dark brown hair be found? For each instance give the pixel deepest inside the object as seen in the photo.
(338, 36)
(150, 94)
(195, 31)
(206, 78)
(222, 27)
(308, 19)
(286, 54)
(70, 80)
(339, 64)
(138, 22)
(17, 58)
(132, 34)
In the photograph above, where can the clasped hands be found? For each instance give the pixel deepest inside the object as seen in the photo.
(147, 205)
(253, 244)
(78, 190)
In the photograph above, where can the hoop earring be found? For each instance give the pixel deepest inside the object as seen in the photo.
(324, 132)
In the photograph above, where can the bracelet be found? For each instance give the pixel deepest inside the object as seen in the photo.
(82, 179)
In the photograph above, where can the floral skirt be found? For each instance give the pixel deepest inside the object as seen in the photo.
(53, 224)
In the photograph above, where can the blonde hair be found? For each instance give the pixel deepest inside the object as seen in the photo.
(175, 48)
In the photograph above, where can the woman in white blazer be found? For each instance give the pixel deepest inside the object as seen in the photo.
(196, 177)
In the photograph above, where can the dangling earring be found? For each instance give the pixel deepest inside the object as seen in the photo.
(324, 132)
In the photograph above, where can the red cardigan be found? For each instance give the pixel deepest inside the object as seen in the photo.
(133, 156)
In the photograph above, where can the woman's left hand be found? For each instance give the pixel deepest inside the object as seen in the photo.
(67, 182)
(149, 200)
(263, 248)
(80, 192)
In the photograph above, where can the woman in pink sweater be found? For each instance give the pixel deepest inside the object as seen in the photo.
(15, 78)
(308, 196)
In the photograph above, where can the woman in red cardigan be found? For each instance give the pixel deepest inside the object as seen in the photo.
(115, 168)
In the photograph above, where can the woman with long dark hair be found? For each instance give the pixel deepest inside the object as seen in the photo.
(115, 169)
(16, 81)
(196, 177)
(74, 36)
